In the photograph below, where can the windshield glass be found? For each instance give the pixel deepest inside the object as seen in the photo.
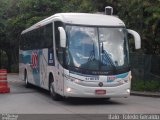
(83, 47)
(96, 48)
(113, 47)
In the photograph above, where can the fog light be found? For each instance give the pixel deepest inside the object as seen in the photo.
(128, 90)
(68, 89)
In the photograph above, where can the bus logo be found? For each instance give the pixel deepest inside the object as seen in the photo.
(34, 59)
(111, 78)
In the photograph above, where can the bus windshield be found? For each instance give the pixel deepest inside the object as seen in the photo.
(97, 48)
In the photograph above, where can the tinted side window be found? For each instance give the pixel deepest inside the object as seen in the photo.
(38, 38)
(48, 36)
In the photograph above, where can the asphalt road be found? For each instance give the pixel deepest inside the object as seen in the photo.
(33, 100)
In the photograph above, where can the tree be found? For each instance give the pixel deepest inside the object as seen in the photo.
(17, 15)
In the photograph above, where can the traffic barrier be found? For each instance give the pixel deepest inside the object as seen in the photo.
(3, 82)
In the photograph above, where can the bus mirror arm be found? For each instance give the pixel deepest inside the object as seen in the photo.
(137, 38)
(62, 37)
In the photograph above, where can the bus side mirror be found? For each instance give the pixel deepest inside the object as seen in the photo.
(62, 37)
(137, 38)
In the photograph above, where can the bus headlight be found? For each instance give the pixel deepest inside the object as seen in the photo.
(128, 90)
(130, 77)
(68, 89)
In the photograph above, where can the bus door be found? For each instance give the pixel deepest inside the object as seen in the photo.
(59, 78)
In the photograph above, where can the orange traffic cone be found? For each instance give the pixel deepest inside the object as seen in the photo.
(3, 82)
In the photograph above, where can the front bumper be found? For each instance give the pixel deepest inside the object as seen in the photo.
(72, 89)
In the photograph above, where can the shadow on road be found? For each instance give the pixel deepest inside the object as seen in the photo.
(91, 101)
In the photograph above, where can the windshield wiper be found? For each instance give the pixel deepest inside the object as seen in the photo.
(92, 55)
(106, 57)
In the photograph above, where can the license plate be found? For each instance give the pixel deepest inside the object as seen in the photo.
(100, 92)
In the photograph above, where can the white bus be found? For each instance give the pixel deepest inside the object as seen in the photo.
(78, 55)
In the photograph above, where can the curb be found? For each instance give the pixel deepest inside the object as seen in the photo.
(146, 94)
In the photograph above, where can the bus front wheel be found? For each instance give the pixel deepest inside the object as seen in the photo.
(53, 94)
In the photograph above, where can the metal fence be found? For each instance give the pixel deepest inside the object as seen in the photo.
(145, 67)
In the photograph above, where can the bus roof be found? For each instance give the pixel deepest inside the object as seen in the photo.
(80, 19)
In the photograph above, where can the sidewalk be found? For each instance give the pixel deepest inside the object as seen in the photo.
(146, 94)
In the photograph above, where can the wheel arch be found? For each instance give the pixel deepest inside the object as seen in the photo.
(51, 79)
(25, 73)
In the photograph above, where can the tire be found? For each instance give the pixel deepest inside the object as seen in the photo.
(104, 99)
(107, 99)
(53, 94)
(27, 85)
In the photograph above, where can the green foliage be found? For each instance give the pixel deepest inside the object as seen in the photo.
(14, 68)
(3, 59)
(144, 17)
(140, 15)
(79, 6)
(148, 85)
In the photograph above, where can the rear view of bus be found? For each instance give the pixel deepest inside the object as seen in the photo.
(91, 56)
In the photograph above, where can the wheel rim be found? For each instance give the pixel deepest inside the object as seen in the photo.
(26, 79)
(52, 90)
